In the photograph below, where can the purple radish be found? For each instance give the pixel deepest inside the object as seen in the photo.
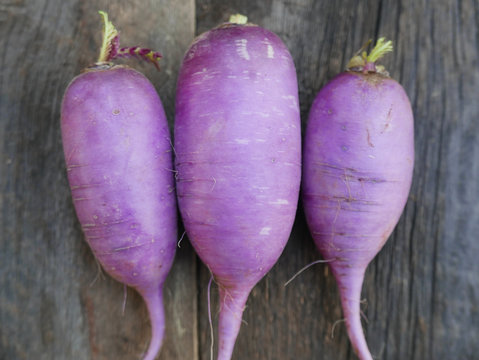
(358, 164)
(238, 158)
(118, 156)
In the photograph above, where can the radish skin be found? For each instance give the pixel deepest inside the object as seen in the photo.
(117, 150)
(238, 157)
(358, 164)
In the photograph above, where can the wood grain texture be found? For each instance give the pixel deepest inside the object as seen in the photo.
(422, 290)
(53, 303)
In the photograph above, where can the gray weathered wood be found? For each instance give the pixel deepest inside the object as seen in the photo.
(50, 305)
(422, 290)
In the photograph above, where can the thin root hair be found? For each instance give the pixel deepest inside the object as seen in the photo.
(171, 144)
(99, 273)
(336, 323)
(172, 170)
(212, 335)
(363, 315)
(125, 295)
(233, 300)
(306, 267)
(181, 238)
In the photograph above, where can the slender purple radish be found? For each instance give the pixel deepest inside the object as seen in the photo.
(357, 171)
(238, 158)
(119, 164)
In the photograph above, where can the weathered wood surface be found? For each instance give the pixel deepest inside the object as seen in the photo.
(51, 307)
(422, 291)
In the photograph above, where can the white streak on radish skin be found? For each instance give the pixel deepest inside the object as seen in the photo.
(291, 98)
(269, 48)
(270, 52)
(199, 72)
(265, 230)
(279, 202)
(241, 48)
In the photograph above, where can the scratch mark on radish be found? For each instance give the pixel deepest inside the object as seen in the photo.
(369, 138)
(74, 166)
(84, 186)
(69, 157)
(214, 184)
(387, 125)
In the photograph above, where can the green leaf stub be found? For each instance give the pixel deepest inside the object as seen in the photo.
(110, 48)
(110, 39)
(365, 62)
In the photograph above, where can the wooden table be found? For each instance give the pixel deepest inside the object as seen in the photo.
(422, 290)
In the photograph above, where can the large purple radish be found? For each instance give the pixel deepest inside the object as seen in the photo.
(357, 171)
(119, 164)
(238, 158)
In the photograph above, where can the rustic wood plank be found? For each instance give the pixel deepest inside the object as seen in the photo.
(50, 305)
(430, 261)
(422, 290)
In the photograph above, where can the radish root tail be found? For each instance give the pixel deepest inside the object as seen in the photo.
(230, 320)
(154, 303)
(350, 289)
